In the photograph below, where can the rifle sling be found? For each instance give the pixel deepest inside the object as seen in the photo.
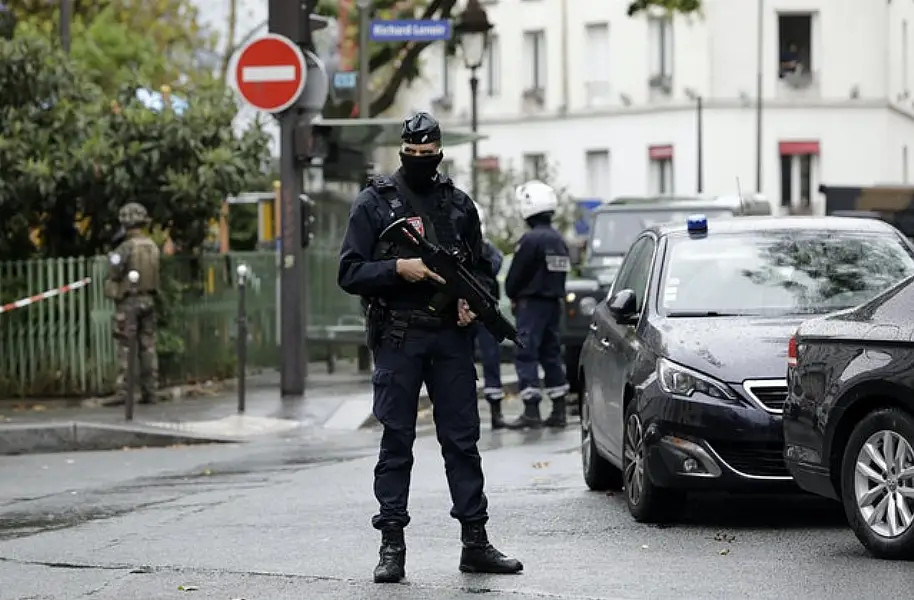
(414, 204)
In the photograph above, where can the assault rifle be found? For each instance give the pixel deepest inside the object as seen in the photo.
(460, 282)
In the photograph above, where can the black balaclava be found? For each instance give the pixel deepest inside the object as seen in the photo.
(419, 171)
(544, 218)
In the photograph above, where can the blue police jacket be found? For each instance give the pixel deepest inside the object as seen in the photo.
(540, 266)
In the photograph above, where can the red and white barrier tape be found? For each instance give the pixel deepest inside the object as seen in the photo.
(45, 295)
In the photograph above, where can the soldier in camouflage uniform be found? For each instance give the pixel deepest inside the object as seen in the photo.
(137, 252)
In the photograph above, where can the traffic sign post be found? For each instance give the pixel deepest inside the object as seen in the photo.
(270, 73)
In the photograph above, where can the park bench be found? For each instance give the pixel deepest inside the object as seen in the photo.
(348, 331)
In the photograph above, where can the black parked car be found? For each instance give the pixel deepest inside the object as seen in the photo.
(684, 366)
(849, 417)
(614, 228)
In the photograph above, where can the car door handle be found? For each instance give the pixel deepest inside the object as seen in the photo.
(605, 343)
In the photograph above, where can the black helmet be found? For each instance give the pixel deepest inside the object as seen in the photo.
(421, 128)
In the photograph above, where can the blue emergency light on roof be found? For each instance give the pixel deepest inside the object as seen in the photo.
(697, 224)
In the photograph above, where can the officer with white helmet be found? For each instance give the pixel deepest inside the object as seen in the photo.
(536, 285)
(489, 349)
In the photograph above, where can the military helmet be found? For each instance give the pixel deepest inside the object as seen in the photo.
(133, 214)
(421, 128)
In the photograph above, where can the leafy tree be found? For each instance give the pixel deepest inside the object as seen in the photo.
(673, 6)
(70, 153)
(158, 41)
(504, 224)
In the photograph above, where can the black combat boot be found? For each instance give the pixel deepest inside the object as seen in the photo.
(479, 556)
(392, 566)
(498, 420)
(558, 418)
(529, 419)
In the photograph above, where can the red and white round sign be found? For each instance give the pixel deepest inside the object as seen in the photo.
(269, 73)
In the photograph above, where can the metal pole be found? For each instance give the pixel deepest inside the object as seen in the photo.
(699, 111)
(758, 97)
(364, 60)
(242, 341)
(292, 374)
(133, 278)
(474, 125)
(66, 18)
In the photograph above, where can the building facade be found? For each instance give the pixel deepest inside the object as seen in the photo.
(622, 105)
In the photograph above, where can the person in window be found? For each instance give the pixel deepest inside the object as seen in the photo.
(790, 60)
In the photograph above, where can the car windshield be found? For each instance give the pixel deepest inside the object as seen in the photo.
(779, 272)
(613, 232)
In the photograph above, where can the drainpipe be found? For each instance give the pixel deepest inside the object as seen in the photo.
(565, 93)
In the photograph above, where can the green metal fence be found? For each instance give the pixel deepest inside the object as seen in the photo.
(63, 345)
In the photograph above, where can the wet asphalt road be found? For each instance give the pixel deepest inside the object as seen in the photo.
(290, 520)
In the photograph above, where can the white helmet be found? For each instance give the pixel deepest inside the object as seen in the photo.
(535, 197)
(482, 218)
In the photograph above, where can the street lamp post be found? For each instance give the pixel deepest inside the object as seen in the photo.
(473, 29)
(363, 99)
(7, 22)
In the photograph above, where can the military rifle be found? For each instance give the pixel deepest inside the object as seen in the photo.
(459, 281)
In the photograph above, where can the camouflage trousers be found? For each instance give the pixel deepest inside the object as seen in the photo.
(144, 327)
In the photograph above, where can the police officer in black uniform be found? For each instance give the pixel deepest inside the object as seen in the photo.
(419, 334)
(536, 286)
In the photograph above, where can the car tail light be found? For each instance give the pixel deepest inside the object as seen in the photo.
(792, 351)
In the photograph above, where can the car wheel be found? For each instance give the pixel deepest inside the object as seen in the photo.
(599, 473)
(647, 502)
(877, 483)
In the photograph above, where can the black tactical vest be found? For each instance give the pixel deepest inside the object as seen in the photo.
(437, 222)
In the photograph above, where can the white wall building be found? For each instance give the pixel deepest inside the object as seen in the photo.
(610, 100)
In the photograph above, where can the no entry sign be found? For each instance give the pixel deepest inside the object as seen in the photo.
(270, 73)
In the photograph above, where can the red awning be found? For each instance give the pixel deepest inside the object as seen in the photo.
(798, 147)
(660, 152)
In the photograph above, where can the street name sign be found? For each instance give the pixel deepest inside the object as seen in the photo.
(411, 30)
(270, 73)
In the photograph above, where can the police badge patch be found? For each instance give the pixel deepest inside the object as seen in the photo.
(558, 264)
(417, 223)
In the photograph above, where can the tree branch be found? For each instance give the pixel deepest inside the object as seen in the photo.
(391, 51)
(229, 38)
(250, 35)
(413, 49)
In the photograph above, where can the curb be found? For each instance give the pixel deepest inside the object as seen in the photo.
(76, 436)
(509, 385)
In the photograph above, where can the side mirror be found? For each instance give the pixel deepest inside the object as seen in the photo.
(623, 307)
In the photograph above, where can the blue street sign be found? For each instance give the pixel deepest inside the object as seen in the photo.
(345, 80)
(410, 31)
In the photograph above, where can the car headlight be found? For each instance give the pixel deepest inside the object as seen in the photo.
(570, 297)
(587, 305)
(682, 381)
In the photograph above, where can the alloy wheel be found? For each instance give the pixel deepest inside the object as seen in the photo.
(884, 483)
(634, 459)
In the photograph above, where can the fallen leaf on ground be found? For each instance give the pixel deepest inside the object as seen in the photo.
(725, 552)
(39, 408)
(187, 588)
(541, 465)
